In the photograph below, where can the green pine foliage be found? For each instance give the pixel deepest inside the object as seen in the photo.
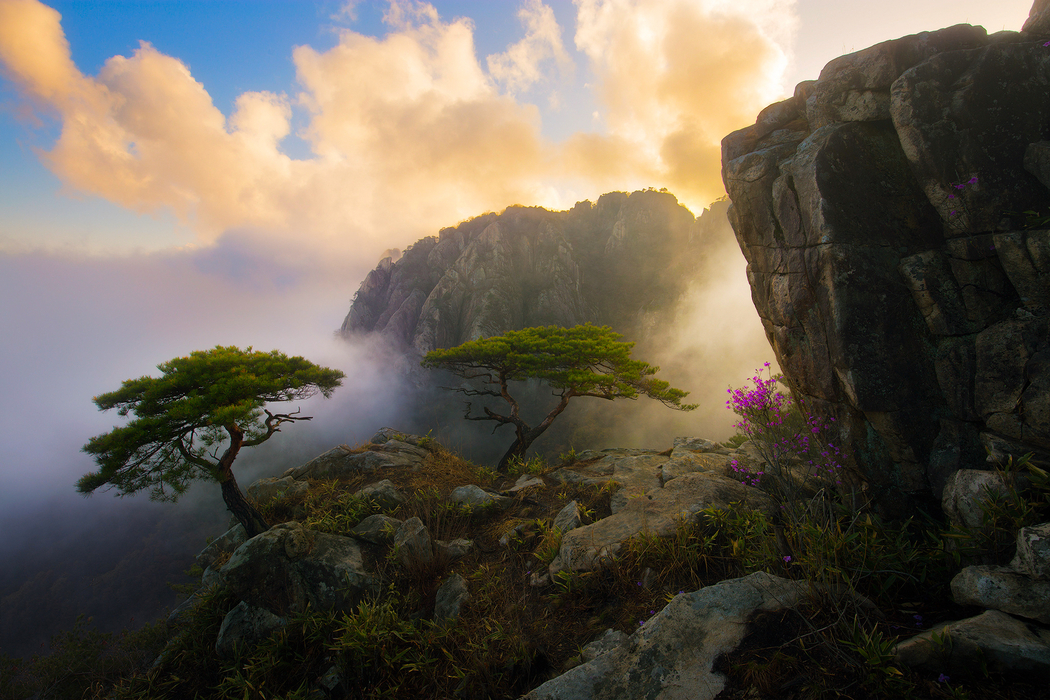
(583, 360)
(211, 400)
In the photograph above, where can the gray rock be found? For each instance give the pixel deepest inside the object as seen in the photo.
(472, 496)
(245, 624)
(456, 549)
(289, 566)
(451, 596)
(1002, 588)
(413, 545)
(524, 482)
(672, 655)
(385, 435)
(263, 491)
(992, 640)
(568, 518)
(966, 491)
(384, 493)
(1033, 552)
(657, 513)
(377, 529)
(224, 544)
(341, 462)
(1037, 161)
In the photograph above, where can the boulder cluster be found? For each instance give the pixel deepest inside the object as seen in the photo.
(676, 652)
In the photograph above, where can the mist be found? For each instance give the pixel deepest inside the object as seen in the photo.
(399, 135)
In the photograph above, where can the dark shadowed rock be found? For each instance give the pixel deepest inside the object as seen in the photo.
(289, 566)
(245, 624)
(672, 655)
(992, 640)
(878, 210)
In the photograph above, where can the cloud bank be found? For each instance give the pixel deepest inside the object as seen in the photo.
(410, 131)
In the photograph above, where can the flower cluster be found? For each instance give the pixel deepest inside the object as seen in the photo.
(780, 433)
(960, 187)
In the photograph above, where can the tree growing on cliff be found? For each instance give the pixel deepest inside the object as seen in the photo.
(580, 361)
(191, 423)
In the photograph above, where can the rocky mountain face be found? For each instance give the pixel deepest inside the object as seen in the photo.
(900, 282)
(622, 261)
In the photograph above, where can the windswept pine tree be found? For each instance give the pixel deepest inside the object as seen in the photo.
(584, 360)
(210, 401)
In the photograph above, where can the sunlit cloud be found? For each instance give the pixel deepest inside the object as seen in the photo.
(523, 64)
(410, 131)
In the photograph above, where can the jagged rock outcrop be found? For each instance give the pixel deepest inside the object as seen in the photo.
(880, 210)
(621, 261)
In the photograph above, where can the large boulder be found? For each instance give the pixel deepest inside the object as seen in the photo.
(992, 640)
(289, 566)
(672, 656)
(878, 212)
(656, 512)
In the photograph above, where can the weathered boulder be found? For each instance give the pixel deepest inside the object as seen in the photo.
(657, 512)
(967, 493)
(377, 529)
(992, 640)
(1033, 552)
(877, 210)
(568, 518)
(1003, 588)
(222, 545)
(413, 546)
(1038, 23)
(473, 496)
(245, 624)
(672, 655)
(288, 566)
(451, 596)
(343, 461)
(264, 491)
(383, 493)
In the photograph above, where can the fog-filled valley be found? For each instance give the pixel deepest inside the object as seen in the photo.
(111, 558)
(364, 182)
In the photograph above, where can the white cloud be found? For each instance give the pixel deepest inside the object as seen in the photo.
(522, 65)
(409, 131)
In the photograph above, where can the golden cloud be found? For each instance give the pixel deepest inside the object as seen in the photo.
(409, 132)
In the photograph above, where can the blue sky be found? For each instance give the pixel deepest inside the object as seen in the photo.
(233, 179)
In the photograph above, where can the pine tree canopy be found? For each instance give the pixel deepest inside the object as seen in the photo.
(584, 360)
(198, 405)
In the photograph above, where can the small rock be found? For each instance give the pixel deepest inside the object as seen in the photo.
(413, 544)
(384, 493)
(1002, 588)
(377, 529)
(1033, 551)
(993, 638)
(473, 496)
(450, 598)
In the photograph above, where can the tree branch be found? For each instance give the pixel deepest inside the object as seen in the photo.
(273, 424)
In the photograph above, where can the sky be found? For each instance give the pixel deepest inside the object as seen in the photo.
(177, 175)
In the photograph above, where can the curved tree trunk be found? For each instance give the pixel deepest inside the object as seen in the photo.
(242, 509)
(526, 435)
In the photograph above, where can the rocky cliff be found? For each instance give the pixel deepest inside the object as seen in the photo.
(623, 261)
(900, 281)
